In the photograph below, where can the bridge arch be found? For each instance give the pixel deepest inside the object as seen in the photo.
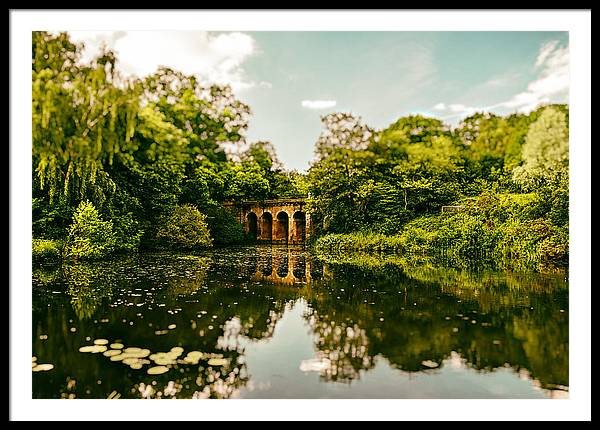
(266, 226)
(271, 218)
(252, 225)
(299, 226)
(281, 227)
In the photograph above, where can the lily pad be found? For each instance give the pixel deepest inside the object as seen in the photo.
(94, 349)
(111, 352)
(193, 357)
(218, 362)
(116, 345)
(118, 357)
(157, 370)
(101, 342)
(43, 367)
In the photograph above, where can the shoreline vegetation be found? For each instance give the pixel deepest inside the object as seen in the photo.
(470, 237)
(122, 164)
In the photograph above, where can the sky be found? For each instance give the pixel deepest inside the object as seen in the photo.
(291, 79)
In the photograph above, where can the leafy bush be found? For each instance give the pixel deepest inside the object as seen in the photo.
(127, 232)
(43, 250)
(184, 228)
(224, 227)
(494, 229)
(50, 220)
(89, 236)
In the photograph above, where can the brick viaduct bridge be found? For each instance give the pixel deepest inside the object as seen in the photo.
(273, 221)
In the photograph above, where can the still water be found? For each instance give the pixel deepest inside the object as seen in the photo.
(278, 322)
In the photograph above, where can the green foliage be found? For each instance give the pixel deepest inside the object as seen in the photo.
(410, 168)
(127, 232)
(133, 148)
(498, 229)
(89, 236)
(546, 149)
(246, 182)
(184, 228)
(145, 152)
(50, 219)
(45, 251)
(224, 227)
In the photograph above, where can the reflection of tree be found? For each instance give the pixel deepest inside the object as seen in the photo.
(88, 284)
(344, 347)
(413, 322)
(133, 299)
(200, 381)
(192, 279)
(408, 316)
(43, 276)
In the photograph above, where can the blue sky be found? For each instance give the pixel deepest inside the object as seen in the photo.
(290, 79)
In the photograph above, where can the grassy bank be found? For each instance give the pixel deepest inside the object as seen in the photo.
(514, 240)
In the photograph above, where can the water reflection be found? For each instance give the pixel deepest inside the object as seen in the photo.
(216, 312)
(287, 265)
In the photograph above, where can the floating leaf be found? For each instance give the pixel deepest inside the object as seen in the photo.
(43, 367)
(94, 349)
(218, 362)
(157, 370)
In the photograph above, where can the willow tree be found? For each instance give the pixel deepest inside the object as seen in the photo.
(83, 114)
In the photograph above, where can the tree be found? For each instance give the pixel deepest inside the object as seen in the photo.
(546, 150)
(89, 236)
(343, 131)
(82, 116)
(184, 228)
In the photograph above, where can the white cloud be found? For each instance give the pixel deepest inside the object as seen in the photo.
(318, 104)
(215, 58)
(545, 52)
(501, 80)
(553, 82)
(458, 108)
(455, 110)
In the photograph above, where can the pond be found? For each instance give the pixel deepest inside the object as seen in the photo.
(279, 322)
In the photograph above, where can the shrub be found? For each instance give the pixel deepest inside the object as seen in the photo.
(89, 236)
(184, 228)
(224, 227)
(500, 229)
(43, 250)
(127, 232)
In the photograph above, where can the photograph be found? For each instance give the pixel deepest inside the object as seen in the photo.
(300, 214)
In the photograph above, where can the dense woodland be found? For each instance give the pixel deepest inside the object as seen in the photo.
(123, 164)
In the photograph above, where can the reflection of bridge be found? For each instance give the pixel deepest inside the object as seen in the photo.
(284, 269)
(287, 265)
(274, 221)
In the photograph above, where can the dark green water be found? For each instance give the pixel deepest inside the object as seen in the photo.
(276, 322)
